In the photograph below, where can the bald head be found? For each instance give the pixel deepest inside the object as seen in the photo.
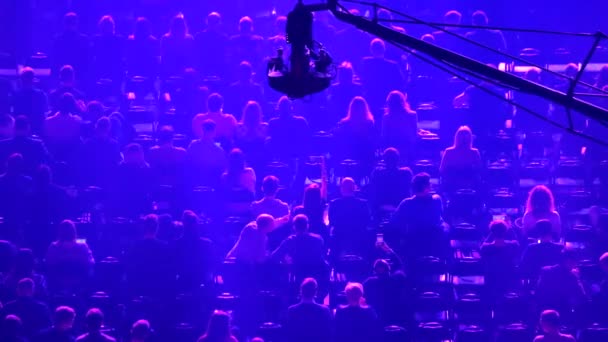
(347, 187)
(265, 222)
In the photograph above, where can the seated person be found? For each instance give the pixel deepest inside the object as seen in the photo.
(218, 329)
(133, 183)
(31, 101)
(391, 184)
(270, 204)
(100, 156)
(289, 134)
(400, 125)
(194, 257)
(305, 250)
(63, 322)
(15, 187)
(166, 159)
(550, 325)
(541, 254)
(341, 92)
(238, 175)
(148, 262)
(541, 206)
(349, 217)
(205, 159)
(69, 261)
(140, 331)
(62, 130)
(355, 135)
(11, 329)
(225, 131)
(419, 221)
(461, 163)
(499, 259)
(35, 316)
(308, 321)
(94, 323)
(386, 293)
(67, 84)
(251, 247)
(251, 134)
(244, 90)
(32, 149)
(356, 322)
(559, 286)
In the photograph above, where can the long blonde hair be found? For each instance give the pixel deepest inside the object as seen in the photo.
(358, 111)
(396, 102)
(252, 115)
(463, 138)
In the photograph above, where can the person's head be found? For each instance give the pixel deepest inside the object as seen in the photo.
(312, 196)
(215, 103)
(14, 164)
(391, 158)
(27, 77)
(300, 224)
(165, 135)
(396, 102)
(22, 126)
(190, 223)
(245, 72)
(265, 223)
(67, 104)
(602, 77)
(70, 22)
(604, 262)
(209, 127)
(245, 25)
(421, 183)
(569, 258)
(219, 326)
(308, 289)
(236, 162)
(377, 48)
(452, 18)
(382, 268)
(384, 14)
(134, 154)
(25, 288)
(179, 28)
(480, 18)
(252, 115)
(540, 200)
(354, 293)
(24, 262)
(284, 107)
(270, 186)
(64, 318)
(544, 230)
(95, 110)
(43, 176)
(498, 229)
(140, 330)
(571, 70)
(358, 111)
(66, 231)
(103, 128)
(150, 225)
(549, 322)
(94, 320)
(463, 139)
(348, 187)
(533, 75)
(142, 28)
(345, 72)
(7, 126)
(67, 75)
(214, 20)
(12, 326)
(106, 25)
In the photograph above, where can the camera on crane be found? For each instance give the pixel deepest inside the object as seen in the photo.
(308, 70)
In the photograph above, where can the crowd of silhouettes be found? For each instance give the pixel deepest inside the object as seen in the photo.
(236, 214)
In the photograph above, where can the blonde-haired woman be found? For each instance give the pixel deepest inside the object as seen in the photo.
(461, 162)
(399, 125)
(540, 205)
(356, 134)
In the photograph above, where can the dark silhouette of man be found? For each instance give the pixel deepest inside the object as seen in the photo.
(32, 150)
(34, 315)
(30, 101)
(94, 323)
(307, 320)
(61, 331)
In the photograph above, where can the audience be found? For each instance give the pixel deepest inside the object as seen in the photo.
(341, 92)
(251, 134)
(100, 155)
(31, 101)
(349, 217)
(140, 331)
(167, 160)
(541, 254)
(307, 320)
(540, 206)
(62, 130)
(205, 158)
(12, 329)
(177, 48)
(142, 50)
(34, 315)
(551, 325)
(212, 44)
(461, 163)
(314, 207)
(246, 45)
(356, 321)
(94, 323)
(244, 90)
(390, 184)
(70, 47)
(400, 125)
(289, 133)
(238, 175)
(499, 258)
(219, 329)
(67, 84)
(559, 286)
(251, 247)
(61, 331)
(32, 150)
(225, 123)
(269, 204)
(386, 293)
(355, 135)
(107, 51)
(380, 76)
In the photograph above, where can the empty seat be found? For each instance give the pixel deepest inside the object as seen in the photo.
(472, 333)
(516, 332)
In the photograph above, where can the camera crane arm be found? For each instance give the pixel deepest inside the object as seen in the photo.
(460, 61)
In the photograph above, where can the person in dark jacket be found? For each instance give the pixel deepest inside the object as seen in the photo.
(308, 321)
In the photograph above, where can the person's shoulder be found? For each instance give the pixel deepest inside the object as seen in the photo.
(539, 338)
(436, 197)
